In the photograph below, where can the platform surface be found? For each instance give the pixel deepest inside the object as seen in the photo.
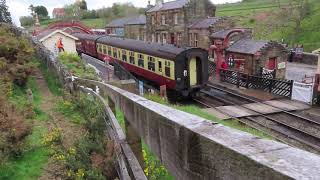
(236, 111)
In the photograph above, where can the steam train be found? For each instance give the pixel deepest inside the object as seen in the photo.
(183, 70)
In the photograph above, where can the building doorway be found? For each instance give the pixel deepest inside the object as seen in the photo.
(194, 71)
(172, 38)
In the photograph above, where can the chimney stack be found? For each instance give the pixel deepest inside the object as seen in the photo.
(159, 2)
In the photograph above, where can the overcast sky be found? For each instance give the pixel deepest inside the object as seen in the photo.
(19, 8)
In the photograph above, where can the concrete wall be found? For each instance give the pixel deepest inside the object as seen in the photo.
(194, 148)
(69, 44)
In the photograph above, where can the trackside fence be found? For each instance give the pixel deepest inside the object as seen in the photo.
(275, 86)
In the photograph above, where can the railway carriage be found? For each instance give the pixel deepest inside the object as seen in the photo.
(184, 70)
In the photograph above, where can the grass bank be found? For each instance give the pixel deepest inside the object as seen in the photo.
(266, 19)
(34, 156)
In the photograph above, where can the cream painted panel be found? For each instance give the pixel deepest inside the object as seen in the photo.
(69, 44)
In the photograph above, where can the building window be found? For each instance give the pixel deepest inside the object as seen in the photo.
(176, 18)
(190, 39)
(131, 54)
(109, 51)
(124, 55)
(152, 38)
(164, 38)
(167, 68)
(195, 39)
(158, 38)
(115, 52)
(179, 40)
(163, 19)
(151, 63)
(141, 60)
(152, 19)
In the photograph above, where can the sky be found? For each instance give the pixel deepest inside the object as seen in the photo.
(19, 8)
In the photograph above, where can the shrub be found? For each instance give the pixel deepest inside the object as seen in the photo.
(77, 66)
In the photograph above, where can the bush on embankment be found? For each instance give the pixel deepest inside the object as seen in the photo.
(77, 66)
(16, 66)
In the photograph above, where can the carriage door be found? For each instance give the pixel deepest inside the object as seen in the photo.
(193, 71)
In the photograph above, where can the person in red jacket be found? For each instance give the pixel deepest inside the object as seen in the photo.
(60, 45)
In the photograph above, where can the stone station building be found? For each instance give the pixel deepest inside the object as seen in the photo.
(169, 22)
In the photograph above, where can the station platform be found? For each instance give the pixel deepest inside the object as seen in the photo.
(252, 93)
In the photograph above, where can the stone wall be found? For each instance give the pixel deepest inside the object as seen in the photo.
(135, 31)
(307, 58)
(204, 40)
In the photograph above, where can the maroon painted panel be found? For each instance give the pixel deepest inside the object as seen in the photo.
(154, 77)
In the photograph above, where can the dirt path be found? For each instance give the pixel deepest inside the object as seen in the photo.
(70, 132)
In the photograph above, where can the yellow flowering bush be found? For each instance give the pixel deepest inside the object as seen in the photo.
(52, 137)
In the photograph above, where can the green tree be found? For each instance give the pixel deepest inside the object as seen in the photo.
(83, 5)
(41, 11)
(4, 13)
(26, 21)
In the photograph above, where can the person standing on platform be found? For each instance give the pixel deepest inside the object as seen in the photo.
(60, 45)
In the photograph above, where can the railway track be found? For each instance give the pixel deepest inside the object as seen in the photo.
(285, 126)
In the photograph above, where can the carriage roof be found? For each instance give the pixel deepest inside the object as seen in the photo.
(166, 51)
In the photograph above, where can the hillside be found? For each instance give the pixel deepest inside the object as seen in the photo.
(267, 18)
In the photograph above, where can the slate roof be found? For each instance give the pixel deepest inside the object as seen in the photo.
(141, 19)
(45, 33)
(221, 34)
(169, 5)
(247, 46)
(204, 23)
(137, 20)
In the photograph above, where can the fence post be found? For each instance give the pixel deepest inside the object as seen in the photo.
(271, 85)
(247, 81)
(291, 88)
(238, 79)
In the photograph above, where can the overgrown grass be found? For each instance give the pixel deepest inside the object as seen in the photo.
(77, 67)
(30, 165)
(198, 111)
(95, 23)
(70, 111)
(52, 80)
(35, 156)
(262, 15)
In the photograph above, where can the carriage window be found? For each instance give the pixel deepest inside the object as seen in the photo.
(109, 51)
(131, 54)
(167, 68)
(151, 63)
(140, 60)
(99, 48)
(124, 55)
(159, 66)
(119, 54)
(104, 49)
(115, 52)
